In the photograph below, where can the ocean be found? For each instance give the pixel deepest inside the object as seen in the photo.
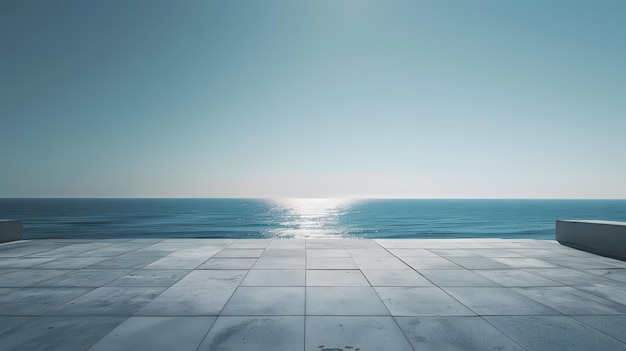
(300, 218)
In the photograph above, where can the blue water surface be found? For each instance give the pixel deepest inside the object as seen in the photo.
(300, 218)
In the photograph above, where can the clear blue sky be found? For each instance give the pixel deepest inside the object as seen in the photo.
(423, 99)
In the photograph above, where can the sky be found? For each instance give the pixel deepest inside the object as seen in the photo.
(343, 98)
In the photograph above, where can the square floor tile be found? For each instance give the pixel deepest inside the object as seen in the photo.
(553, 333)
(456, 277)
(344, 301)
(269, 277)
(516, 278)
(454, 333)
(615, 293)
(35, 301)
(571, 301)
(58, 333)
(331, 263)
(239, 253)
(422, 301)
(477, 263)
(156, 333)
(430, 263)
(228, 263)
(255, 334)
(108, 301)
(498, 301)
(86, 278)
(524, 262)
(335, 278)
(611, 325)
(188, 301)
(150, 277)
(176, 263)
(380, 263)
(327, 253)
(28, 277)
(279, 263)
(395, 277)
(227, 278)
(276, 301)
(354, 333)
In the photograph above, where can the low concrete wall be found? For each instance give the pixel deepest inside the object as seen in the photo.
(10, 230)
(600, 237)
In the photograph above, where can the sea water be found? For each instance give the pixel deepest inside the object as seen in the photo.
(300, 218)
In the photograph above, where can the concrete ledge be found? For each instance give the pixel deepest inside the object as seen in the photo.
(10, 230)
(604, 238)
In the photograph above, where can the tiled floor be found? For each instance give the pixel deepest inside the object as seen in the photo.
(309, 295)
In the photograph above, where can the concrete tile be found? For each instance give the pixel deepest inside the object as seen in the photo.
(572, 301)
(422, 301)
(553, 333)
(285, 253)
(58, 333)
(276, 301)
(360, 244)
(71, 263)
(611, 325)
(205, 278)
(370, 253)
(524, 262)
(313, 253)
(516, 278)
(176, 263)
(156, 333)
(609, 292)
(335, 278)
(35, 301)
(478, 263)
(86, 278)
(195, 252)
(249, 244)
(354, 333)
(150, 277)
(571, 277)
(255, 334)
(286, 244)
(380, 263)
(395, 277)
(331, 263)
(456, 277)
(618, 274)
(344, 301)
(412, 253)
(537, 253)
(324, 244)
(453, 253)
(285, 277)
(8, 323)
(430, 263)
(188, 301)
(279, 263)
(28, 277)
(23, 262)
(454, 333)
(238, 253)
(498, 301)
(491, 253)
(108, 301)
(125, 261)
(228, 263)
(577, 263)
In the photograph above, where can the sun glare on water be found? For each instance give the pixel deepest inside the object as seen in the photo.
(310, 218)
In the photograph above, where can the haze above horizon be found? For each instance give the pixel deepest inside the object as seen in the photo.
(323, 99)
